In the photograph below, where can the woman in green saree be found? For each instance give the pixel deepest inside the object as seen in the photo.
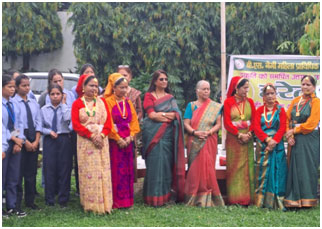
(239, 116)
(303, 136)
(202, 120)
(163, 148)
(271, 168)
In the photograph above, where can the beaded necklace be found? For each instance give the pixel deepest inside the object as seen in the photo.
(124, 111)
(86, 107)
(242, 115)
(298, 105)
(268, 123)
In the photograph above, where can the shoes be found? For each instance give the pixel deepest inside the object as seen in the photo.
(17, 212)
(50, 204)
(63, 205)
(32, 206)
(5, 215)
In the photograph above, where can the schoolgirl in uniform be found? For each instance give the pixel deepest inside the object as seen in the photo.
(30, 111)
(13, 125)
(57, 155)
(56, 77)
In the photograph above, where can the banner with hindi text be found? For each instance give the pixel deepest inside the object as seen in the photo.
(284, 71)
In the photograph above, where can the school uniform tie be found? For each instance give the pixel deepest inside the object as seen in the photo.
(11, 117)
(54, 122)
(31, 132)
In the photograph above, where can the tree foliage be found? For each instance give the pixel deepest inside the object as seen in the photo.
(260, 28)
(181, 38)
(309, 44)
(30, 28)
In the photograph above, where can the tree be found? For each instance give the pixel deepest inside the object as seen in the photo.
(261, 28)
(309, 44)
(181, 38)
(30, 28)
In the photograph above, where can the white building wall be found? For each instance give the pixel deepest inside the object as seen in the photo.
(63, 59)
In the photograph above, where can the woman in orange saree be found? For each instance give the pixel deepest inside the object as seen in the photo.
(202, 120)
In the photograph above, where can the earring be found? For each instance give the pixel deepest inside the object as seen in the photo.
(83, 91)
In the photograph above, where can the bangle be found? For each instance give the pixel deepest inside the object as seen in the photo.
(268, 139)
(193, 133)
(131, 138)
(238, 135)
(103, 135)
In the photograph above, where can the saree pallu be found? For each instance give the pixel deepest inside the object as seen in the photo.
(94, 165)
(163, 151)
(240, 161)
(122, 160)
(201, 187)
(302, 179)
(271, 168)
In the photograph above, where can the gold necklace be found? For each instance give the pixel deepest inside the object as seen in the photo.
(157, 94)
(268, 122)
(123, 111)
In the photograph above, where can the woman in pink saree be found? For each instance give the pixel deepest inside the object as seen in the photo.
(202, 121)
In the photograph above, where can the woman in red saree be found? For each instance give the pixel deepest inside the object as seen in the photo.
(126, 126)
(239, 117)
(202, 120)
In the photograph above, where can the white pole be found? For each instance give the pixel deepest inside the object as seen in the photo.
(223, 65)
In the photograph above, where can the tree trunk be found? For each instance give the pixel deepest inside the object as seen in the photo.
(25, 62)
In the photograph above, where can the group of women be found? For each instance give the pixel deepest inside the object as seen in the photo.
(100, 127)
(268, 180)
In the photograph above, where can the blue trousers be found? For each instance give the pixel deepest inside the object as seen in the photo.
(28, 173)
(10, 175)
(57, 159)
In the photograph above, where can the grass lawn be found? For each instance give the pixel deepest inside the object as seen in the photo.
(167, 216)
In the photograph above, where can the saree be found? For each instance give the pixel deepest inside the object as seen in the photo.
(122, 159)
(270, 167)
(94, 164)
(163, 151)
(201, 187)
(240, 158)
(302, 180)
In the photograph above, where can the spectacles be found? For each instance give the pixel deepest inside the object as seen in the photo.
(163, 79)
(123, 66)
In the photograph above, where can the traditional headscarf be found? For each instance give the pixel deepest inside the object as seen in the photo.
(233, 85)
(80, 84)
(111, 81)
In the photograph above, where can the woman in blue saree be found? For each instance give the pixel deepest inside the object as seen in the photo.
(270, 164)
(163, 148)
